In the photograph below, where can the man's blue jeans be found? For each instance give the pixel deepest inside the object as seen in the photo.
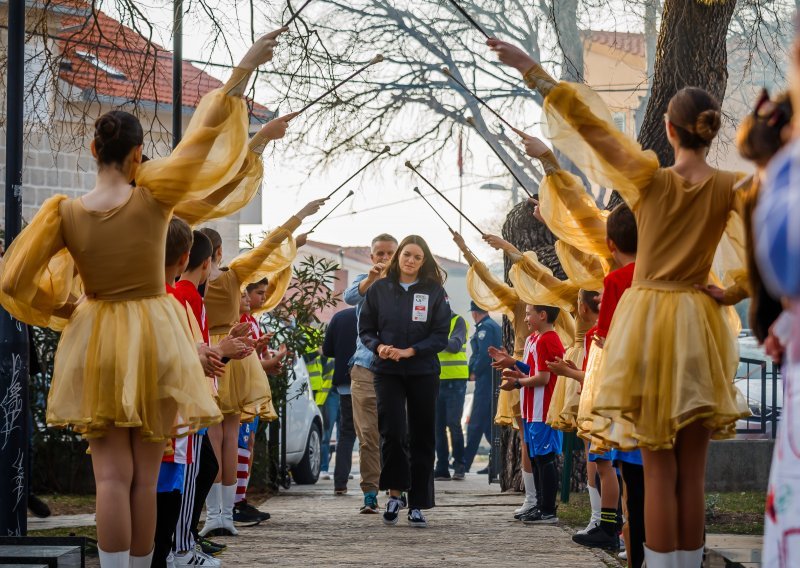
(330, 416)
(449, 409)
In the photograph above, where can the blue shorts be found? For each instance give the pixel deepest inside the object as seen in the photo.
(170, 477)
(633, 457)
(245, 430)
(610, 455)
(542, 439)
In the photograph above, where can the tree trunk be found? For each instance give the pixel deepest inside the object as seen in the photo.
(691, 51)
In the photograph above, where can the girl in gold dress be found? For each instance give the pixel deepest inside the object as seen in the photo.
(126, 365)
(244, 391)
(672, 381)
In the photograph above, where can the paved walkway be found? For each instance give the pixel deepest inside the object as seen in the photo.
(472, 526)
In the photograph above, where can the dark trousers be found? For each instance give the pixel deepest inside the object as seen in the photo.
(408, 438)
(633, 476)
(480, 426)
(209, 466)
(344, 443)
(168, 509)
(449, 410)
(545, 472)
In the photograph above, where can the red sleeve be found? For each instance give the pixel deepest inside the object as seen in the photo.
(612, 292)
(548, 348)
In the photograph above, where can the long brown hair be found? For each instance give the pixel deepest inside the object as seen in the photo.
(430, 271)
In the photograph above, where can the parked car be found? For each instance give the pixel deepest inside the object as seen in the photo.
(303, 428)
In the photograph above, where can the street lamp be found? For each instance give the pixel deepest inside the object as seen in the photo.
(514, 189)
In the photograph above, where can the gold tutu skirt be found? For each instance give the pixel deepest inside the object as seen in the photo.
(669, 360)
(244, 388)
(508, 408)
(130, 364)
(563, 413)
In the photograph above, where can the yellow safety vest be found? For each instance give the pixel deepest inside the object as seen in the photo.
(314, 367)
(327, 367)
(455, 365)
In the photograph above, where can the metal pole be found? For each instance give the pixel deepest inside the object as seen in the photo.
(14, 334)
(177, 71)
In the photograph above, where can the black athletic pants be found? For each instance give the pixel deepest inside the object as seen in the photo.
(209, 466)
(344, 443)
(407, 423)
(633, 476)
(168, 509)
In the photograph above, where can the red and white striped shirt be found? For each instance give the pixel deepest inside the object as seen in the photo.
(539, 350)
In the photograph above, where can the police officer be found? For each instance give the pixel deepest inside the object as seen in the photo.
(487, 334)
(450, 405)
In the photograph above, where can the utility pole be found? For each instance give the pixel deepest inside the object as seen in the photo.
(14, 407)
(177, 71)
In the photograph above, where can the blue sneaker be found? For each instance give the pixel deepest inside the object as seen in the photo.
(417, 519)
(370, 504)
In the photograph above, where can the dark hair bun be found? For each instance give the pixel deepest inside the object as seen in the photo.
(708, 124)
(116, 133)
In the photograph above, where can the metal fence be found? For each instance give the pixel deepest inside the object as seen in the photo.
(760, 383)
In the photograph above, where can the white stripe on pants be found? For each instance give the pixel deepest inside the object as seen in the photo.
(184, 539)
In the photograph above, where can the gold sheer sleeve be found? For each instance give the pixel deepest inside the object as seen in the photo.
(535, 284)
(490, 293)
(583, 270)
(36, 272)
(228, 199)
(730, 261)
(210, 154)
(579, 124)
(572, 215)
(276, 252)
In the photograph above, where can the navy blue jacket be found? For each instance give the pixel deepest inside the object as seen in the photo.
(418, 318)
(487, 334)
(340, 344)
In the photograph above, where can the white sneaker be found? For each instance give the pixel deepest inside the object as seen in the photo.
(171, 560)
(325, 476)
(593, 522)
(623, 555)
(196, 558)
(527, 507)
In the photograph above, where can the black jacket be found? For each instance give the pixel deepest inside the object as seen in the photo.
(340, 344)
(418, 318)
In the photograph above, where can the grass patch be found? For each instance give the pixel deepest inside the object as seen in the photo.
(726, 513)
(90, 532)
(69, 504)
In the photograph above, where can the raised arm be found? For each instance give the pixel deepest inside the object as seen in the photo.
(275, 252)
(214, 147)
(485, 289)
(579, 125)
(238, 192)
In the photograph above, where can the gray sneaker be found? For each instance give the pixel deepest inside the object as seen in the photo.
(416, 519)
(460, 473)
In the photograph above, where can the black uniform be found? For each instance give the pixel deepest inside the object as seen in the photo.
(420, 318)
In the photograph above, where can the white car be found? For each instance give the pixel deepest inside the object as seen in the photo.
(303, 428)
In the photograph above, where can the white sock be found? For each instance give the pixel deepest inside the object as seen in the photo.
(141, 561)
(596, 502)
(654, 559)
(690, 558)
(530, 487)
(114, 559)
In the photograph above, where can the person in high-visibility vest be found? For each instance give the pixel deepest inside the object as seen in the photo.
(328, 402)
(450, 404)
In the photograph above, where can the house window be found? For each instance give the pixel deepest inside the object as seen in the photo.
(100, 64)
(619, 121)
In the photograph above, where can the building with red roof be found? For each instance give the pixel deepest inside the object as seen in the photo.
(80, 63)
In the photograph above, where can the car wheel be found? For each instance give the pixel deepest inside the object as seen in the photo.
(307, 471)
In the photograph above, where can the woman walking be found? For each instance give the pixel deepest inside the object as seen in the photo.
(406, 321)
